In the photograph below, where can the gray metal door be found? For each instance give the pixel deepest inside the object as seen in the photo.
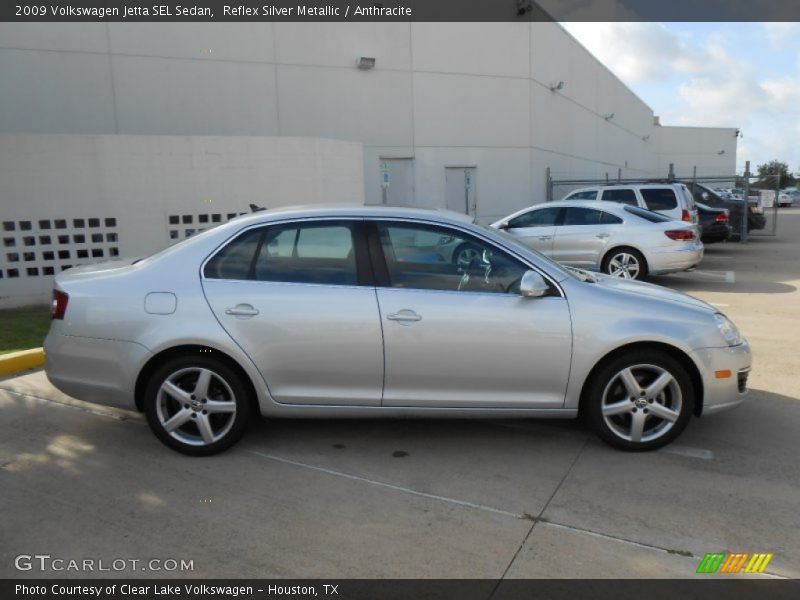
(460, 190)
(397, 181)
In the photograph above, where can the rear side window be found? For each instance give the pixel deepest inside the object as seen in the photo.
(659, 198)
(321, 253)
(537, 218)
(235, 261)
(584, 195)
(647, 215)
(609, 219)
(582, 216)
(623, 196)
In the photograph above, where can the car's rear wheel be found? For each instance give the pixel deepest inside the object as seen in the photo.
(197, 405)
(640, 401)
(626, 263)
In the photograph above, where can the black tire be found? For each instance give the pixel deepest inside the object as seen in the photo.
(461, 248)
(184, 373)
(606, 388)
(606, 265)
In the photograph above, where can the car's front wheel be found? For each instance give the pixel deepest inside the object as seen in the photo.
(640, 401)
(197, 405)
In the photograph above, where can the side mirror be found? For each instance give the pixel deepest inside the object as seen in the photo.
(532, 285)
(503, 225)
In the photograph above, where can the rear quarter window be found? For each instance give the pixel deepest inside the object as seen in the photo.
(647, 215)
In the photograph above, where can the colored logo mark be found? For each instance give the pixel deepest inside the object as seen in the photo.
(734, 562)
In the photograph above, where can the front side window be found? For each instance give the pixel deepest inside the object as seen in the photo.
(309, 252)
(429, 257)
(659, 198)
(623, 196)
(542, 217)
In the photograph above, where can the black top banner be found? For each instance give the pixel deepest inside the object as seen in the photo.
(397, 589)
(400, 10)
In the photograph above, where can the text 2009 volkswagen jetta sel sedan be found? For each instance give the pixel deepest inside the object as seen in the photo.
(381, 312)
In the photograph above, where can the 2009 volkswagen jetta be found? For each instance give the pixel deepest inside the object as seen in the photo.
(383, 312)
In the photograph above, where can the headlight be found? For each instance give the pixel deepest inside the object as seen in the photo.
(728, 330)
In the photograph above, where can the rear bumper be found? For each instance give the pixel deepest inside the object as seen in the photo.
(671, 260)
(721, 393)
(92, 369)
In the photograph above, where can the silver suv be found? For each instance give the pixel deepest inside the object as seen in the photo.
(671, 199)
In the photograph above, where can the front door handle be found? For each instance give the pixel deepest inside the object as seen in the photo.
(242, 310)
(404, 315)
(544, 238)
(603, 236)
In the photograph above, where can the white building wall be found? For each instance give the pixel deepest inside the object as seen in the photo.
(442, 95)
(136, 185)
(711, 150)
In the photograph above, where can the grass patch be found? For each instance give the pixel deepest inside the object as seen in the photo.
(23, 328)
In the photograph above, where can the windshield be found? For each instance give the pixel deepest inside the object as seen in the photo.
(516, 244)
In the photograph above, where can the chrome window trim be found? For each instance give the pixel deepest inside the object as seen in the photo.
(433, 222)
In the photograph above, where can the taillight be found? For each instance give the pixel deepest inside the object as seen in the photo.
(59, 305)
(685, 216)
(680, 234)
(721, 218)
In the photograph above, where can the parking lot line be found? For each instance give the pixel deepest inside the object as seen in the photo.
(688, 451)
(390, 486)
(726, 276)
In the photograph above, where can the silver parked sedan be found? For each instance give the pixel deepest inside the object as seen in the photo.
(617, 239)
(372, 312)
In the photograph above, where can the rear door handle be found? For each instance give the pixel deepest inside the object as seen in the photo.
(603, 236)
(544, 238)
(404, 315)
(242, 310)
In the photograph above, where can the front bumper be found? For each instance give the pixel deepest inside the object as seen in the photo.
(721, 393)
(92, 369)
(672, 260)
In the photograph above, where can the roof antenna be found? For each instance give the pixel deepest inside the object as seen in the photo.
(255, 208)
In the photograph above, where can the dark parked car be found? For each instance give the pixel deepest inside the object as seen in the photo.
(714, 223)
(707, 196)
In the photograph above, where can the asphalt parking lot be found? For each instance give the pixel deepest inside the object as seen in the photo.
(402, 498)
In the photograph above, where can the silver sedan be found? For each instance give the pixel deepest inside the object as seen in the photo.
(617, 239)
(372, 312)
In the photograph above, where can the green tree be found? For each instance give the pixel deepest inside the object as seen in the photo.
(768, 171)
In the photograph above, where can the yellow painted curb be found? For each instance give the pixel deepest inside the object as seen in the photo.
(19, 361)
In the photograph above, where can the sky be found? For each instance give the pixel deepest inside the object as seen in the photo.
(744, 75)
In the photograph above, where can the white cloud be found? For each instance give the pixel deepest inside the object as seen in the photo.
(717, 81)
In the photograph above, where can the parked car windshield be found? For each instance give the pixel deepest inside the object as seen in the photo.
(647, 215)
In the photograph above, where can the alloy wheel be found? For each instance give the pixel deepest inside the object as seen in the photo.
(196, 406)
(624, 265)
(641, 403)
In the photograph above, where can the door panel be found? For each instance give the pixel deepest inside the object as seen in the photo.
(291, 301)
(536, 228)
(538, 238)
(475, 350)
(458, 335)
(584, 236)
